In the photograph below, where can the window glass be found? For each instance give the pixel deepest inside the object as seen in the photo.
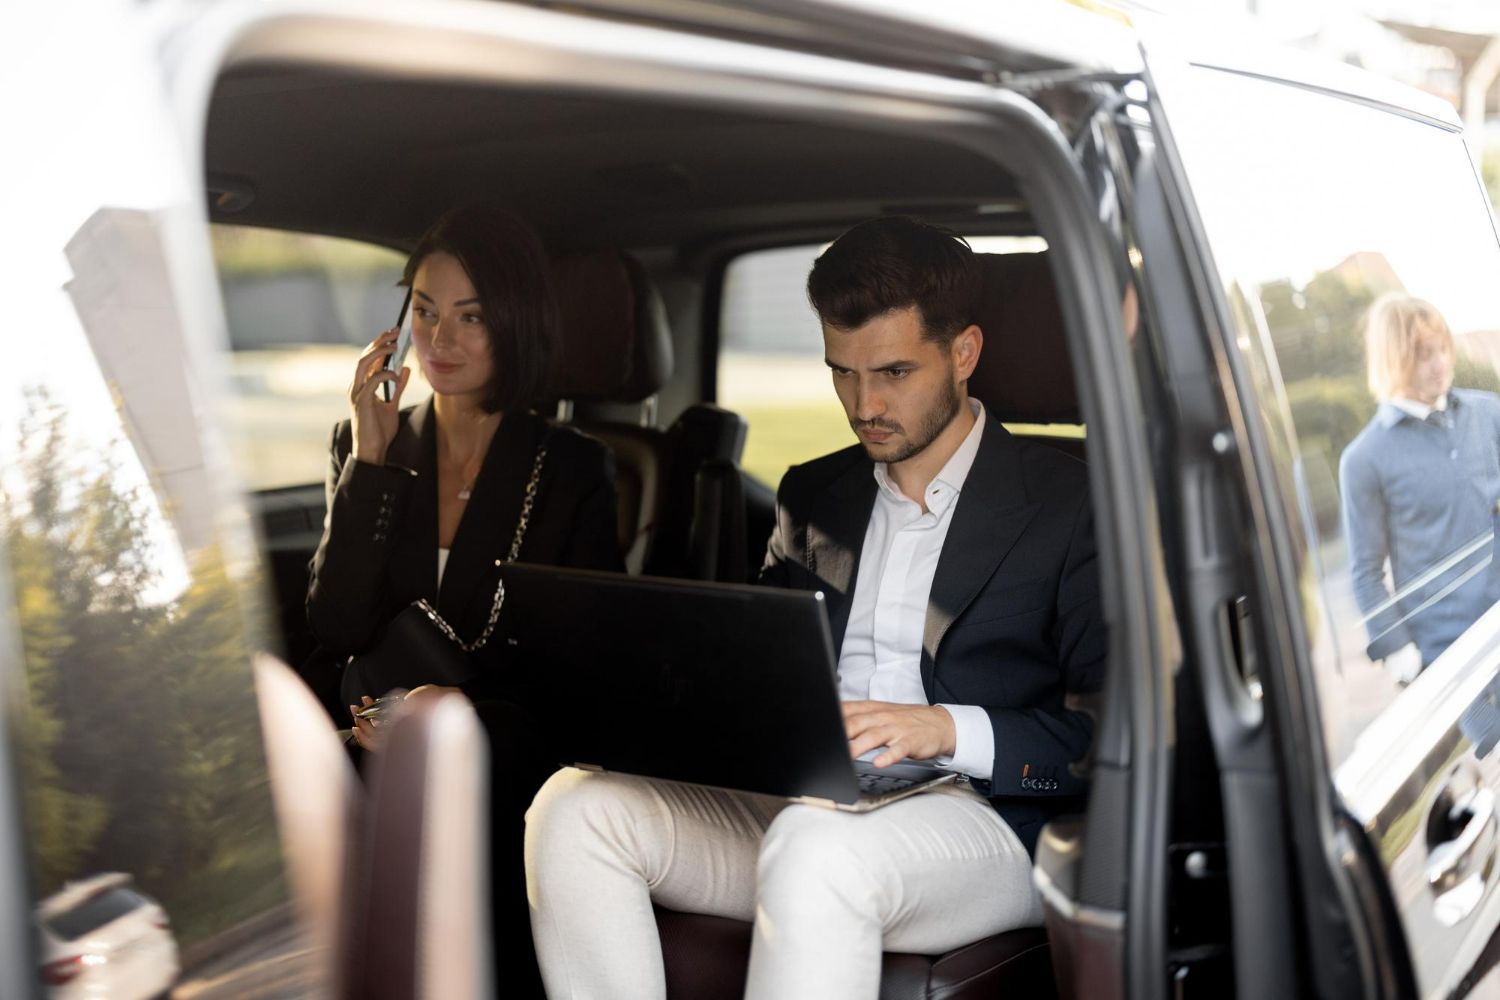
(299, 306)
(129, 584)
(771, 368)
(93, 913)
(1364, 303)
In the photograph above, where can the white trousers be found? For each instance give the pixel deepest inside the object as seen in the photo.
(828, 891)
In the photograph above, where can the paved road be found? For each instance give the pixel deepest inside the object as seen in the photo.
(274, 966)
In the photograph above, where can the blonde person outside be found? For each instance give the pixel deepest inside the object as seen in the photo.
(1420, 484)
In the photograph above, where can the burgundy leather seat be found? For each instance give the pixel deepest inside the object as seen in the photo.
(1024, 376)
(680, 509)
(706, 957)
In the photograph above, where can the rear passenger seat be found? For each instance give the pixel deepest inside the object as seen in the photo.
(681, 505)
(1024, 374)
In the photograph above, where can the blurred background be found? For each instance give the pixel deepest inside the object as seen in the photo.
(1449, 48)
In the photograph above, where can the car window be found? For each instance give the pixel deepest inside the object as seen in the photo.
(770, 367)
(130, 585)
(1360, 289)
(91, 914)
(298, 308)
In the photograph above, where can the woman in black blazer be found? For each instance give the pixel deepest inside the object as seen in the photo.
(423, 502)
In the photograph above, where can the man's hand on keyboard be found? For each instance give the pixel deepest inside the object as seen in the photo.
(916, 731)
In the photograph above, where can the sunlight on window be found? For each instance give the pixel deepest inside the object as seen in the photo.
(299, 308)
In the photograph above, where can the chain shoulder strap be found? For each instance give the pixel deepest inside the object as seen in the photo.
(527, 504)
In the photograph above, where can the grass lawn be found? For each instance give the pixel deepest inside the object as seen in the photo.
(782, 434)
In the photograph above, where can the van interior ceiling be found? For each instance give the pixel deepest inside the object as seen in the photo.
(679, 186)
(377, 160)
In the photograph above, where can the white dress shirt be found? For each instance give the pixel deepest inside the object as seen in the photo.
(1419, 410)
(881, 658)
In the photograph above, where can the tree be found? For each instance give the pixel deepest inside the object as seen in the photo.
(139, 735)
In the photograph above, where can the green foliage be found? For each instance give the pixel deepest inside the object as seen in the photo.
(782, 435)
(1489, 169)
(139, 738)
(1332, 409)
(1317, 332)
(1328, 413)
(1469, 373)
(62, 825)
(1317, 329)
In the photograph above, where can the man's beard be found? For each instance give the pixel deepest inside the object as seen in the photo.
(931, 424)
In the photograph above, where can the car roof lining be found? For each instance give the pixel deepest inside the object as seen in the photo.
(350, 154)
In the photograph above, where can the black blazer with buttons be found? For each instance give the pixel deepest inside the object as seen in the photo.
(379, 547)
(1013, 619)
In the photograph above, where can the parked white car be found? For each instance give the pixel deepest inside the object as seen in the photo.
(103, 938)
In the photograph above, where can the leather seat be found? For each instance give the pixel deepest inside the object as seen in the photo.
(317, 799)
(420, 921)
(707, 957)
(388, 881)
(1024, 376)
(616, 350)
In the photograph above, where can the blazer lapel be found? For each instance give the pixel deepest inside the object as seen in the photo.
(992, 513)
(489, 522)
(835, 538)
(415, 447)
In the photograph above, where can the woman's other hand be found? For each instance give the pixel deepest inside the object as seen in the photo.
(366, 731)
(375, 420)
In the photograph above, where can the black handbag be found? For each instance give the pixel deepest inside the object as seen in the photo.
(418, 646)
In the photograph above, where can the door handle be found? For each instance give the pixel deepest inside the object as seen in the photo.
(1452, 861)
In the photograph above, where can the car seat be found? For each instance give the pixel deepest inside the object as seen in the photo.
(616, 348)
(389, 880)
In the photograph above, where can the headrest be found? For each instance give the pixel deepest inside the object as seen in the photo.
(1025, 374)
(614, 344)
(651, 361)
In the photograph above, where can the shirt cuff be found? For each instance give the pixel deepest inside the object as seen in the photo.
(973, 742)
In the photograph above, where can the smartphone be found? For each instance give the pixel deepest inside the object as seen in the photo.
(403, 344)
(381, 707)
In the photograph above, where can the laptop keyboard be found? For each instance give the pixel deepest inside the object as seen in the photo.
(874, 783)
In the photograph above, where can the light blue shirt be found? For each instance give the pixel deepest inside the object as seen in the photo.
(1422, 494)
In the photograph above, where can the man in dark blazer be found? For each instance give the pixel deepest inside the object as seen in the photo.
(959, 568)
(1012, 622)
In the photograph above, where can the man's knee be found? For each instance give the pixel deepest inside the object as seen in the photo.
(810, 852)
(575, 805)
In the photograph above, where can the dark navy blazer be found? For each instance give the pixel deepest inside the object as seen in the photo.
(1014, 623)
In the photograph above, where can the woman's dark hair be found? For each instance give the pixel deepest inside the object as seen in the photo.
(508, 268)
(892, 263)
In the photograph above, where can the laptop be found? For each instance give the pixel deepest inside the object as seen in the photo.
(727, 685)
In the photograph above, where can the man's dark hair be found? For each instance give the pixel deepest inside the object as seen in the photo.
(508, 267)
(892, 263)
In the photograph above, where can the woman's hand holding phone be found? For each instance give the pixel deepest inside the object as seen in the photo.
(374, 418)
(370, 715)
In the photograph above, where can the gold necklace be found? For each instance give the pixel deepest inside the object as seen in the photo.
(470, 469)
